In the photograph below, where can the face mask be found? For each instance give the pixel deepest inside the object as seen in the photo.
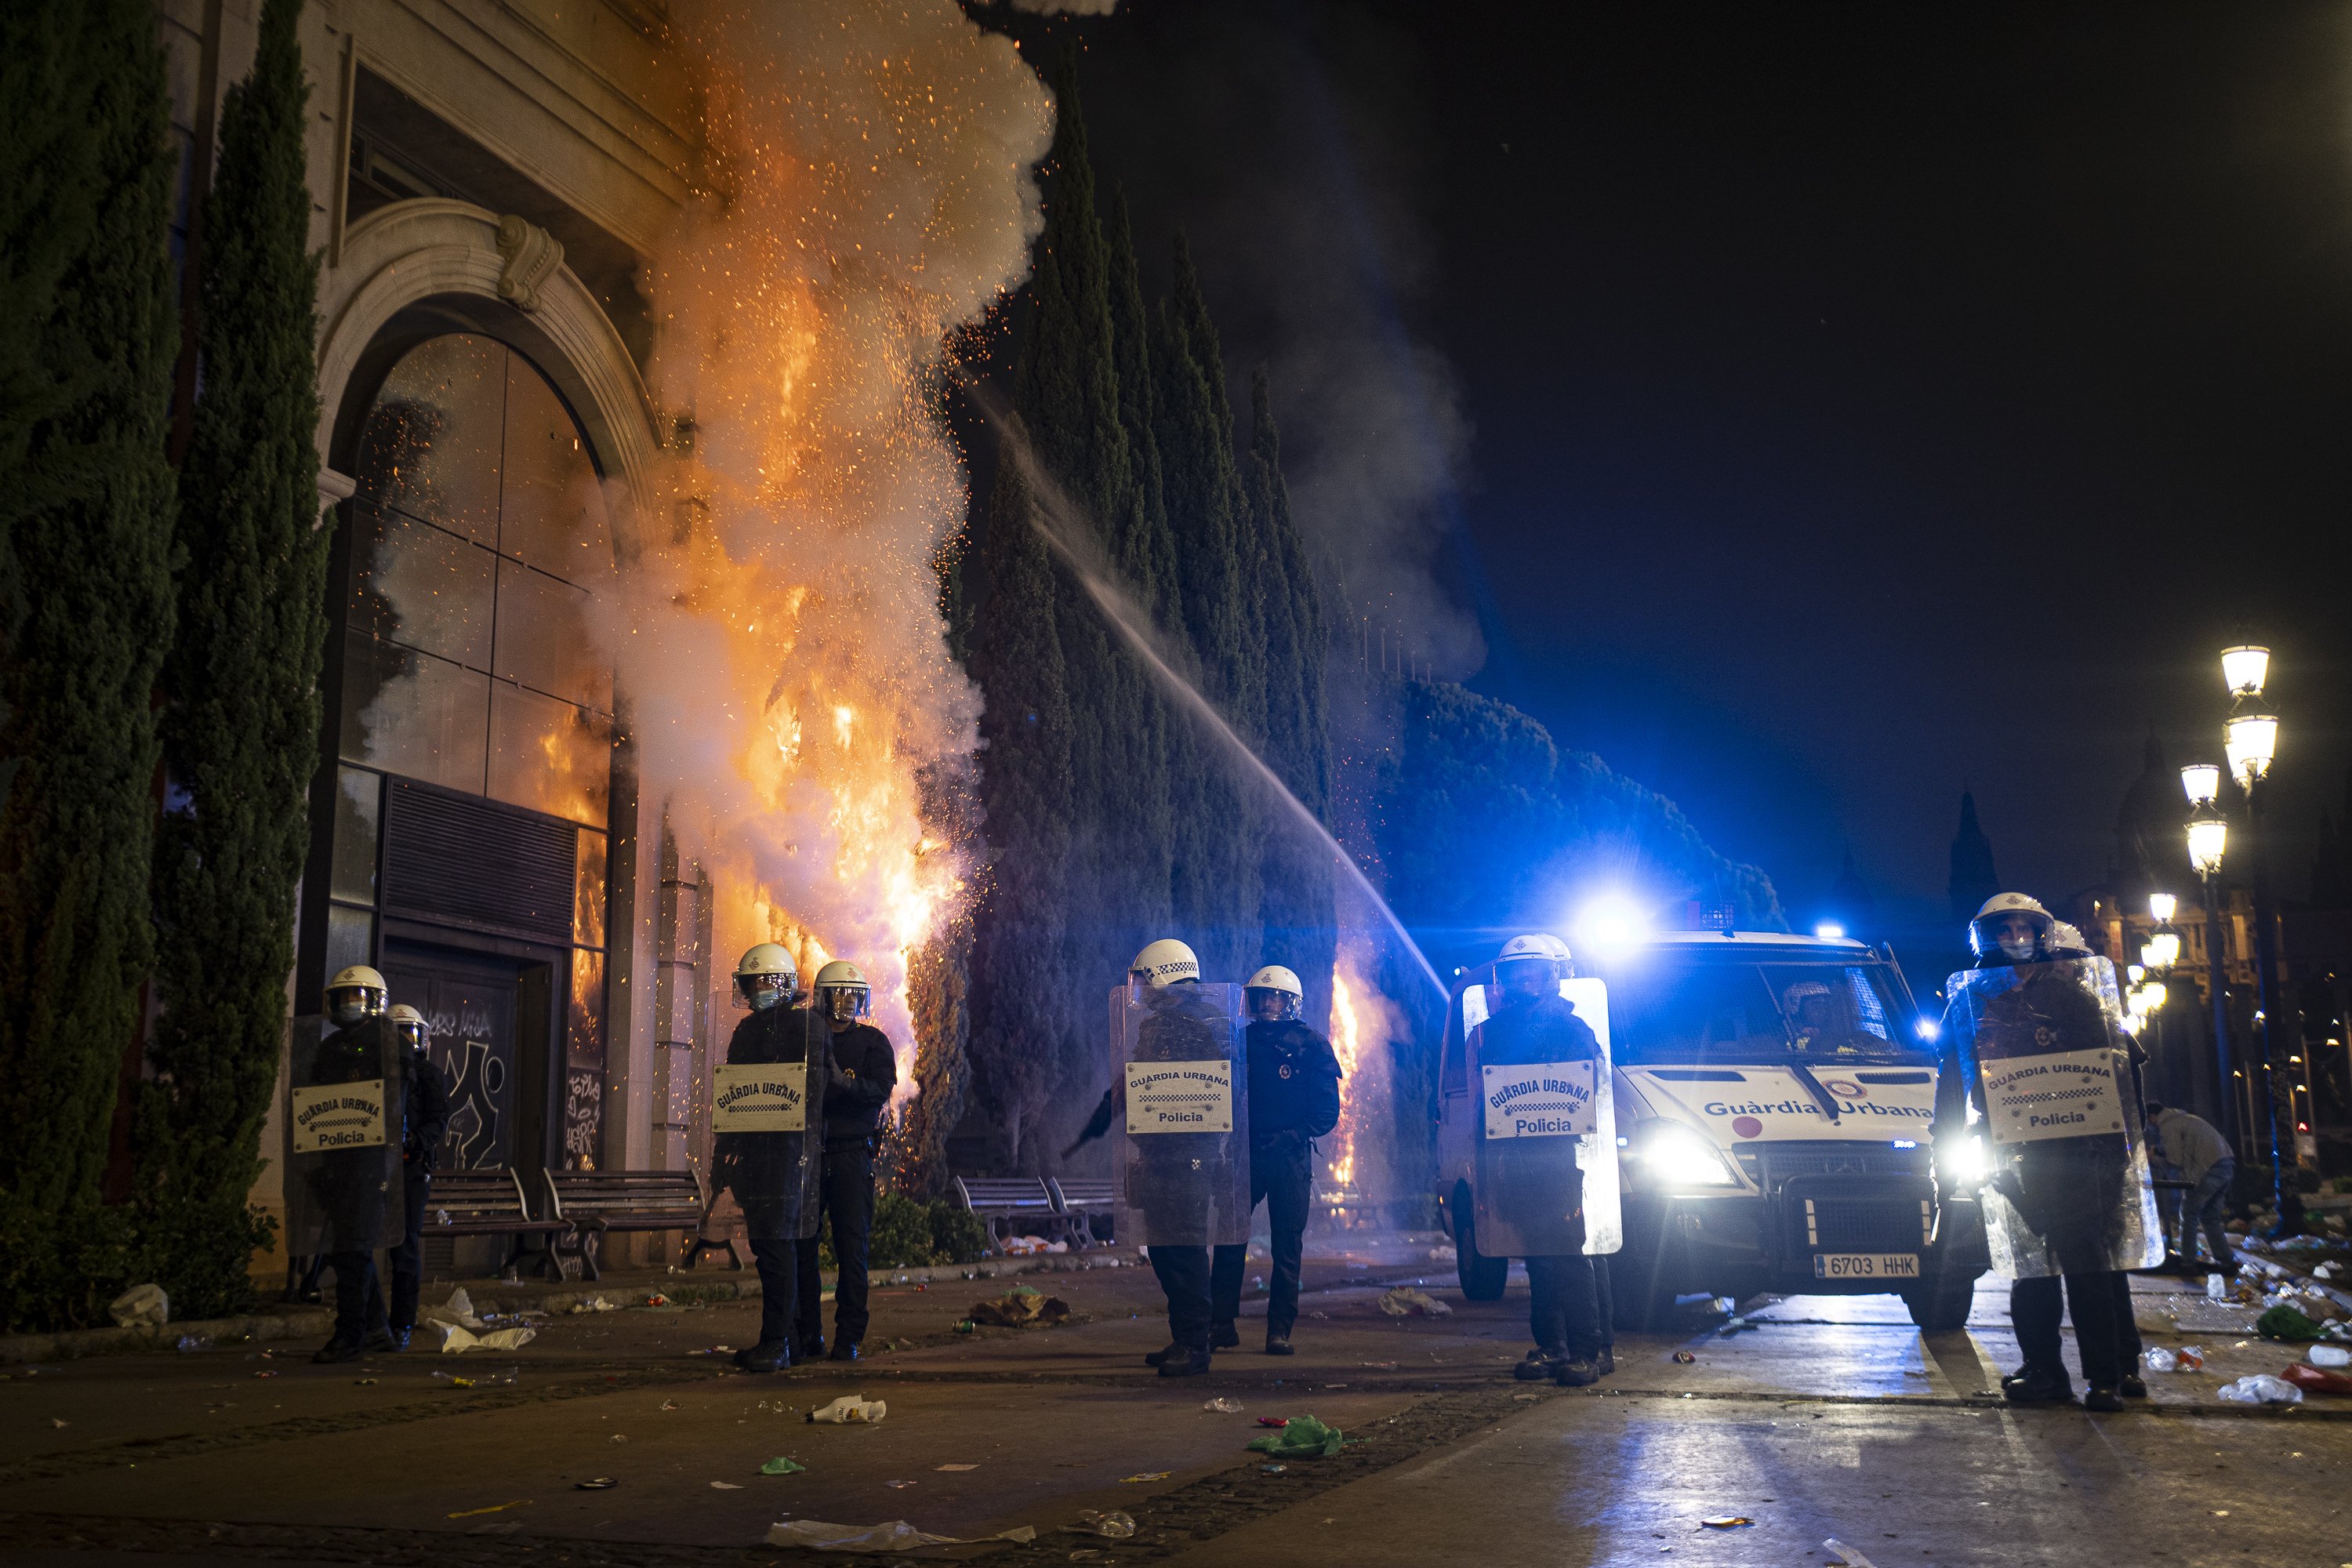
(348, 1013)
(2017, 949)
(765, 999)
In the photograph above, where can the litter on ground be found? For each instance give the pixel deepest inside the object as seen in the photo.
(851, 1409)
(1303, 1439)
(1405, 1302)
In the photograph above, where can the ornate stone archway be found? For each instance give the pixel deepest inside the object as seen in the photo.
(412, 252)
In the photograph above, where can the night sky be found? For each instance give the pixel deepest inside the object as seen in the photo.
(1809, 413)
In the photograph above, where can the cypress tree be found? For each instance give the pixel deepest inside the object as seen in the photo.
(241, 720)
(1066, 390)
(1298, 911)
(88, 514)
(1216, 864)
(1021, 995)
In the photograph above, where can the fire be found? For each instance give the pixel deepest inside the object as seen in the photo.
(1363, 1172)
(1347, 1044)
(780, 661)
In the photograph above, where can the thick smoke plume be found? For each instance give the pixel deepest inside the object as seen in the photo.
(778, 643)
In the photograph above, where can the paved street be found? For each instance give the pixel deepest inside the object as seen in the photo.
(1834, 1417)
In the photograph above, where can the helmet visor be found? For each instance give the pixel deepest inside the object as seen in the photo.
(1270, 1004)
(350, 1004)
(762, 992)
(844, 1004)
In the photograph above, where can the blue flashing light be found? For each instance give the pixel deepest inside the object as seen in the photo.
(1906, 1143)
(1613, 920)
(1829, 931)
(1929, 1029)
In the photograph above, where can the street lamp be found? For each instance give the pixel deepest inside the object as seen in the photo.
(2209, 835)
(2252, 743)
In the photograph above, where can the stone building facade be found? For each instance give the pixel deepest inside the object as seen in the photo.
(488, 178)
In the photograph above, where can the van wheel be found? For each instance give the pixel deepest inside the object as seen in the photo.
(1942, 1303)
(1481, 1277)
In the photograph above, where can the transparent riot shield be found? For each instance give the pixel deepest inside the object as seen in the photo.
(767, 1115)
(2050, 1081)
(1545, 1127)
(1179, 1058)
(346, 1111)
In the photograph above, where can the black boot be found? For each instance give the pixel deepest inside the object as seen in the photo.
(2133, 1386)
(1575, 1371)
(1278, 1344)
(1160, 1357)
(1541, 1365)
(776, 1357)
(843, 1349)
(2038, 1385)
(809, 1349)
(1183, 1361)
(2102, 1399)
(1606, 1361)
(1223, 1336)
(338, 1349)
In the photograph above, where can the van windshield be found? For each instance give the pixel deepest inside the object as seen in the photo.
(1816, 1013)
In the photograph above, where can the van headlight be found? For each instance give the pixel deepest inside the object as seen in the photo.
(1674, 1156)
(1964, 1159)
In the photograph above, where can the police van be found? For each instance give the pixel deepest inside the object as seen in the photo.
(1773, 1095)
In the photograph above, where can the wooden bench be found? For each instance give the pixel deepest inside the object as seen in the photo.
(1079, 1200)
(999, 1201)
(489, 1201)
(591, 1203)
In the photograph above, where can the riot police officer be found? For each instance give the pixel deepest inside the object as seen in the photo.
(2059, 1210)
(1184, 1190)
(865, 1072)
(343, 1192)
(772, 1166)
(425, 1118)
(1294, 1098)
(1537, 1184)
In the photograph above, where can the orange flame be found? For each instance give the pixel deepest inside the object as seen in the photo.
(779, 646)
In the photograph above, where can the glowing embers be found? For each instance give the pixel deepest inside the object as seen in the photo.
(1358, 1177)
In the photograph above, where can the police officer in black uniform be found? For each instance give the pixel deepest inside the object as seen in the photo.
(774, 1176)
(346, 1192)
(426, 1117)
(1179, 1177)
(2067, 1190)
(1294, 1098)
(1533, 1023)
(865, 1071)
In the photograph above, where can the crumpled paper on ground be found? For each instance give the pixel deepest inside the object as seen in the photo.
(891, 1535)
(458, 1342)
(1405, 1302)
(851, 1409)
(1301, 1437)
(458, 1309)
(1022, 1307)
(141, 1307)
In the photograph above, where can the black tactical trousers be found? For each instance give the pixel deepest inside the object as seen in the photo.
(845, 1192)
(359, 1295)
(1279, 1174)
(779, 1266)
(407, 1256)
(1183, 1274)
(2034, 1311)
(1564, 1305)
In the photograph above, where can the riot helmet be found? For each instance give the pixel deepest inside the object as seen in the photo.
(356, 994)
(2012, 928)
(765, 977)
(1274, 995)
(410, 1025)
(1161, 965)
(1531, 967)
(2066, 940)
(842, 994)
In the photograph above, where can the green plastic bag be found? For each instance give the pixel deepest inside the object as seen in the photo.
(780, 1466)
(2287, 1323)
(1303, 1439)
